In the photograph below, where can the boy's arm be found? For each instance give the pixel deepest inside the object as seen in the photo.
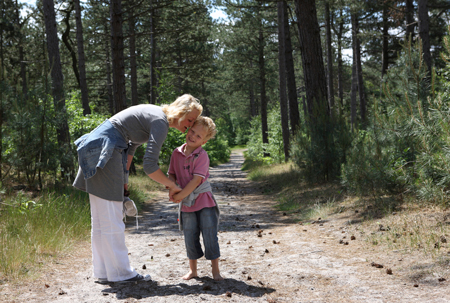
(189, 188)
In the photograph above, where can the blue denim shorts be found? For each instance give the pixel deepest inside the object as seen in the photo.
(203, 221)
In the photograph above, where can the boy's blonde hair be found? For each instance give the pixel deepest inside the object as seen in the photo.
(179, 108)
(208, 125)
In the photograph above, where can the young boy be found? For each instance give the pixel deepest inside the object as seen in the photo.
(198, 213)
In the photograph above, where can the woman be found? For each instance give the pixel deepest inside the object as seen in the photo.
(105, 156)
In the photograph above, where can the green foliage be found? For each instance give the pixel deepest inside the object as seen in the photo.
(217, 148)
(408, 149)
(257, 150)
(78, 123)
(370, 168)
(320, 147)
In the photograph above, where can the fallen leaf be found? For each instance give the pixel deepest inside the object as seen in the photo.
(389, 271)
(167, 255)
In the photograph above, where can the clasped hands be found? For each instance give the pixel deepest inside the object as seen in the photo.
(174, 194)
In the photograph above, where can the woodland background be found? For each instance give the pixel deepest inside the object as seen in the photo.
(348, 91)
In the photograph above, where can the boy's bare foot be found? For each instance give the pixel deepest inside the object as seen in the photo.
(217, 277)
(189, 276)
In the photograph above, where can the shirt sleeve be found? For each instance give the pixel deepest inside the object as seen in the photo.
(201, 167)
(158, 134)
(172, 164)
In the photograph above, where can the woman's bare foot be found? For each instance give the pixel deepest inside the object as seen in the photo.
(189, 275)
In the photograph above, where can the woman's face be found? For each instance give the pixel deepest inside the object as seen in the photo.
(189, 119)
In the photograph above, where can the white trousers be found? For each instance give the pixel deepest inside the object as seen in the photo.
(109, 252)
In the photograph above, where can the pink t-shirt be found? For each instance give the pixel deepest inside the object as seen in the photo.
(184, 168)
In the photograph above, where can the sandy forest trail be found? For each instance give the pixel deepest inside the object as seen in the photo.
(266, 257)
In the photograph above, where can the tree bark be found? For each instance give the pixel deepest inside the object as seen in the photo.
(294, 114)
(262, 80)
(81, 60)
(68, 43)
(282, 78)
(340, 63)
(329, 58)
(312, 60)
(359, 75)
(59, 102)
(354, 87)
(109, 85)
(424, 33)
(385, 40)
(153, 96)
(410, 24)
(133, 65)
(23, 70)
(118, 64)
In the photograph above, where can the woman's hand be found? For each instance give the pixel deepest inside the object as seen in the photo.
(172, 191)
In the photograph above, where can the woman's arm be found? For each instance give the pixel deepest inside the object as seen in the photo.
(188, 189)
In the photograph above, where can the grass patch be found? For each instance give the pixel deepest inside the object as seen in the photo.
(140, 185)
(390, 223)
(35, 229)
(293, 195)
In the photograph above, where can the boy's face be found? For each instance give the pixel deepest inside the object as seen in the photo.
(195, 136)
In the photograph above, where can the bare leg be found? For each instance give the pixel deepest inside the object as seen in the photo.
(192, 270)
(215, 270)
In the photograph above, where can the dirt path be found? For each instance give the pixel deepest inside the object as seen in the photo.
(265, 258)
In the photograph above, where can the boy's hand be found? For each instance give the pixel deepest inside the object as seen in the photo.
(177, 198)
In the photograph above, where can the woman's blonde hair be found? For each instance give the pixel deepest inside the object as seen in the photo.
(178, 109)
(208, 124)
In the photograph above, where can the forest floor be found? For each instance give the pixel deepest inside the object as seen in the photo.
(266, 256)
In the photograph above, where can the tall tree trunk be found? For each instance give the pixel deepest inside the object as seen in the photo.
(118, 64)
(354, 87)
(68, 43)
(340, 63)
(133, 65)
(424, 33)
(282, 78)
(359, 75)
(262, 80)
(2, 61)
(253, 110)
(109, 84)
(312, 60)
(294, 115)
(81, 60)
(23, 71)
(62, 127)
(153, 96)
(410, 23)
(385, 41)
(329, 58)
